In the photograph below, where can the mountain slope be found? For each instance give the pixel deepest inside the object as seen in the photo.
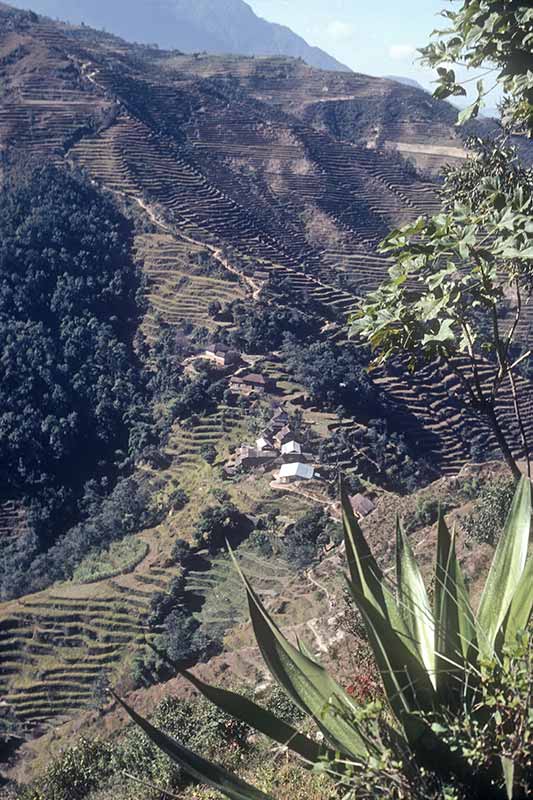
(263, 166)
(213, 26)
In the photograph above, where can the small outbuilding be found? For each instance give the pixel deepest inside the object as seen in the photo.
(246, 384)
(279, 419)
(222, 354)
(283, 436)
(361, 505)
(250, 457)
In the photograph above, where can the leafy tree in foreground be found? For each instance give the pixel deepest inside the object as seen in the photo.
(454, 273)
(495, 36)
(458, 683)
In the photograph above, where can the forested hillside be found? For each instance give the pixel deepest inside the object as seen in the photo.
(72, 384)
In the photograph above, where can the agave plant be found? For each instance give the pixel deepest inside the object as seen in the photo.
(429, 655)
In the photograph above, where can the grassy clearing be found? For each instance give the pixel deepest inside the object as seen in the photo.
(120, 557)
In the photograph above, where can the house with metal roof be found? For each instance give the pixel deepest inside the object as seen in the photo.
(290, 473)
(292, 451)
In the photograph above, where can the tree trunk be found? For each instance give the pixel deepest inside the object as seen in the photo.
(492, 419)
(520, 421)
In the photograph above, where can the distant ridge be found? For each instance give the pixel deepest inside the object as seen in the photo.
(405, 81)
(212, 26)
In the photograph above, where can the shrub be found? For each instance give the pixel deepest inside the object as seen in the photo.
(260, 327)
(304, 541)
(196, 720)
(334, 376)
(485, 521)
(216, 525)
(178, 499)
(75, 773)
(209, 453)
(181, 552)
(426, 513)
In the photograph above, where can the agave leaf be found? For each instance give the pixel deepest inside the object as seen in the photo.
(367, 578)
(506, 569)
(259, 718)
(521, 606)
(508, 770)
(406, 682)
(307, 683)
(302, 647)
(414, 602)
(455, 631)
(199, 768)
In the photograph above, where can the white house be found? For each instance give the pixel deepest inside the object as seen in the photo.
(289, 473)
(292, 451)
(291, 448)
(262, 443)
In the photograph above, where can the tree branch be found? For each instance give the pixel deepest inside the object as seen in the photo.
(521, 427)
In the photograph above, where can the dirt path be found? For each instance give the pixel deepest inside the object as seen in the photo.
(254, 287)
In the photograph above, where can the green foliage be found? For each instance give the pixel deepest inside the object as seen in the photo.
(427, 513)
(485, 521)
(260, 327)
(334, 376)
(458, 684)
(466, 183)
(279, 704)
(493, 35)
(466, 261)
(216, 525)
(378, 454)
(74, 774)
(70, 380)
(185, 395)
(125, 511)
(181, 552)
(88, 767)
(178, 499)
(208, 453)
(305, 540)
(196, 721)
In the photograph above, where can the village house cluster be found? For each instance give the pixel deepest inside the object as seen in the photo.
(276, 446)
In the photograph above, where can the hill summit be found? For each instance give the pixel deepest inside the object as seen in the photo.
(211, 26)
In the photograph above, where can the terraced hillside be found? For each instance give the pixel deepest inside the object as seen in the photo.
(232, 156)
(175, 294)
(241, 166)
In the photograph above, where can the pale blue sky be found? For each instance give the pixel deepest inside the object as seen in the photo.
(377, 38)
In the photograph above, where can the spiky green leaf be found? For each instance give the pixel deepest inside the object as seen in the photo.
(199, 768)
(506, 569)
(259, 718)
(405, 680)
(508, 770)
(455, 631)
(521, 606)
(366, 576)
(414, 602)
(308, 684)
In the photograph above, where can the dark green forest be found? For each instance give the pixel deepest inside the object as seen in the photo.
(71, 385)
